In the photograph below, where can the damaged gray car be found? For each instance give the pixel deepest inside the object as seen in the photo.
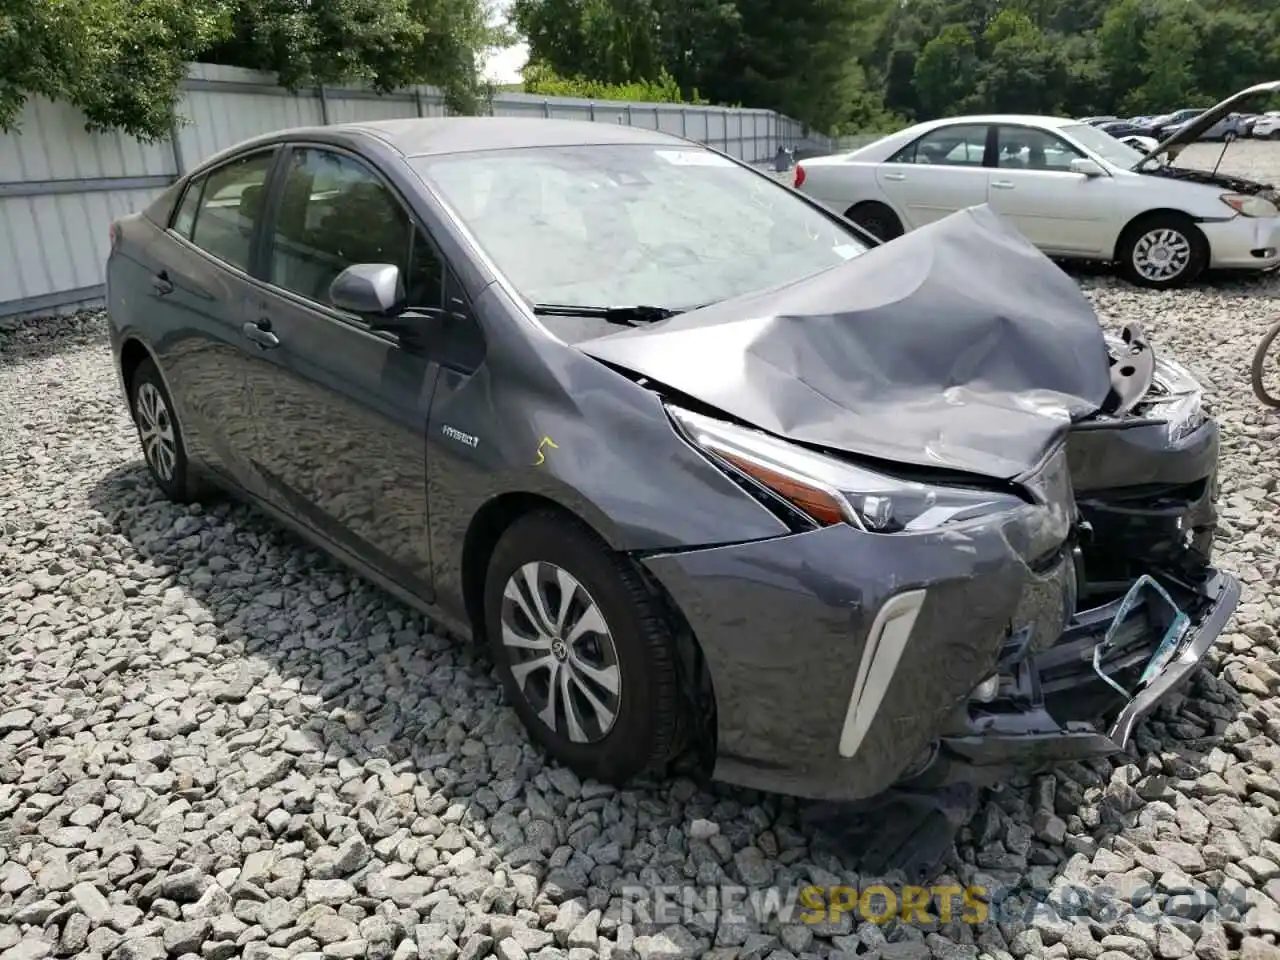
(722, 481)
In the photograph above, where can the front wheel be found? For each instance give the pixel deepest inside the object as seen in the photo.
(585, 654)
(1163, 251)
(1263, 389)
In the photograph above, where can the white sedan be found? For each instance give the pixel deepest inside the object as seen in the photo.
(1267, 126)
(1074, 191)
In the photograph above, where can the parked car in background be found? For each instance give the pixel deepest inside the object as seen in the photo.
(1162, 126)
(1097, 121)
(1072, 189)
(602, 396)
(1121, 129)
(1140, 143)
(1267, 126)
(1226, 129)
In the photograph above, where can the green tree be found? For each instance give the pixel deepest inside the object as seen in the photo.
(1169, 47)
(947, 71)
(120, 61)
(1021, 72)
(386, 43)
(1120, 47)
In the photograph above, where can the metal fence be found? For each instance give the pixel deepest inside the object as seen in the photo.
(60, 187)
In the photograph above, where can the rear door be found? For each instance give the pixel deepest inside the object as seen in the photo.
(199, 290)
(937, 174)
(342, 432)
(1032, 185)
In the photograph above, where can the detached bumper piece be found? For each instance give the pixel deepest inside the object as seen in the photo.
(1085, 695)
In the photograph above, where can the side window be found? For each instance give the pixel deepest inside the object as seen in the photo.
(1025, 148)
(229, 207)
(334, 212)
(185, 216)
(954, 146)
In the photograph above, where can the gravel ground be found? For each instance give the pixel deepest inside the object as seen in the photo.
(216, 742)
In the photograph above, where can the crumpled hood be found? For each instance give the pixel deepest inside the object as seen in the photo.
(959, 345)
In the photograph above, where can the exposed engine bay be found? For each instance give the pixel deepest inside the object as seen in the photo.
(1209, 178)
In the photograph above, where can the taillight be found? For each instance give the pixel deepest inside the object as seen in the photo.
(114, 233)
(799, 177)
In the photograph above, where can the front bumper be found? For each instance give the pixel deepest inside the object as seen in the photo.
(1243, 243)
(1056, 707)
(790, 628)
(787, 625)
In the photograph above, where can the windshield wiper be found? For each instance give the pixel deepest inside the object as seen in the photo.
(626, 315)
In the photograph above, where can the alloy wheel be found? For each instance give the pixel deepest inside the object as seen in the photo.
(155, 428)
(1161, 254)
(561, 652)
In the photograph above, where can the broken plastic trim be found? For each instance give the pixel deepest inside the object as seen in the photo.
(1133, 371)
(1174, 633)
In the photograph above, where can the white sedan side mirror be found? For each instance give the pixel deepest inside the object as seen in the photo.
(1090, 168)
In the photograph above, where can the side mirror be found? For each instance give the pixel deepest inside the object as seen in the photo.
(369, 289)
(1087, 167)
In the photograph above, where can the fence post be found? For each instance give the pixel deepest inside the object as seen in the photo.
(179, 163)
(324, 105)
(591, 111)
(628, 114)
(417, 101)
(657, 119)
(684, 122)
(546, 110)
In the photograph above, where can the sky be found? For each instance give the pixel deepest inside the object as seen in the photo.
(503, 66)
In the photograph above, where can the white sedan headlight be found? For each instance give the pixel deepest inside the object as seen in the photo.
(1250, 206)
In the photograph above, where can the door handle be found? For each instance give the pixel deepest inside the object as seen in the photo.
(1001, 185)
(895, 176)
(260, 333)
(161, 285)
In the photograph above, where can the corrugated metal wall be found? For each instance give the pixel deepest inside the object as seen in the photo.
(60, 187)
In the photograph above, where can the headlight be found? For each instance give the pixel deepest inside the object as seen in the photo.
(829, 491)
(1250, 206)
(1182, 402)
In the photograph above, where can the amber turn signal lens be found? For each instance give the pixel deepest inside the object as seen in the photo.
(814, 501)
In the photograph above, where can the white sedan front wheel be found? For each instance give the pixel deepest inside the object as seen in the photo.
(1163, 251)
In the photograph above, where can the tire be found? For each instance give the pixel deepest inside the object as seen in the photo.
(877, 219)
(160, 435)
(1274, 134)
(636, 648)
(1146, 235)
(1257, 372)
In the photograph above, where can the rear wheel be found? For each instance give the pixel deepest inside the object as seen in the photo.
(1274, 134)
(877, 219)
(585, 654)
(1163, 251)
(161, 435)
(1265, 372)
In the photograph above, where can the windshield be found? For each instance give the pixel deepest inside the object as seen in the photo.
(1104, 145)
(612, 224)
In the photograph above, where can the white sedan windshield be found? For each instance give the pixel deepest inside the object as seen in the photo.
(672, 226)
(1104, 145)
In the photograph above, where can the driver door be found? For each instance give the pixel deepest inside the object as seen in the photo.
(341, 439)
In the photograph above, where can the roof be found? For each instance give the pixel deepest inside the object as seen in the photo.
(439, 135)
(996, 118)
